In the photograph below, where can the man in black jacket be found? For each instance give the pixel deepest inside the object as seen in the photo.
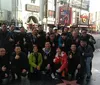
(19, 63)
(41, 37)
(32, 40)
(90, 40)
(73, 61)
(86, 53)
(22, 39)
(5, 39)
(64, 42)
(4, 65)
(53, 42)
(48, 56)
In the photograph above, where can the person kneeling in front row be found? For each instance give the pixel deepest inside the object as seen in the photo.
(19, 63)
(61, 63)
(4, 66)
(35, 62)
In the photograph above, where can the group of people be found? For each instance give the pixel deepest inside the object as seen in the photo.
(67, 55)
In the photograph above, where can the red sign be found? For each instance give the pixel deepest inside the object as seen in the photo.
(84, 18)
(65, 15)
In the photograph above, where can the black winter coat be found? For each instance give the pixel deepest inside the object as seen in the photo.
(21, 63)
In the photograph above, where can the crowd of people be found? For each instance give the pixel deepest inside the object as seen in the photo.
(67, 55)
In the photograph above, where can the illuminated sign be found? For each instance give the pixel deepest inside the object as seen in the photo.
(32, 8)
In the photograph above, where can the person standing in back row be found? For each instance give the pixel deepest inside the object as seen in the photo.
(19, 63)
(4, 65)
(90, 41)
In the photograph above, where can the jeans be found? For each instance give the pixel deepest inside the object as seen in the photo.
(88, 66)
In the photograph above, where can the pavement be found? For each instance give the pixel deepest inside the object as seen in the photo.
(97, 38)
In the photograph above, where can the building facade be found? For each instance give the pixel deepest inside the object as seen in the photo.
(50, 12)
(5, 11)
(96, 20)
(80, 12)
(77, 10)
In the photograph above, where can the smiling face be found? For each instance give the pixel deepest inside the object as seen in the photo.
(12, 28)
(4, 28)
(58, 50)
(2, 51)
(52, 36)
(34, 31)
(83, 43)
(35, 49)
(47, 45)
(63, 37)
(73, 47)
(74, 34)
(66, 30)
(84, 33)
(17, 49)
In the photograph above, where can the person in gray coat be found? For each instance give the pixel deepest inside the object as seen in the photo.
(86, 53)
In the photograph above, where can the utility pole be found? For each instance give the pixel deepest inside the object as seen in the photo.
(46, 14)
(88, 16)
(16, 11)
(41, 11)
(55, 13)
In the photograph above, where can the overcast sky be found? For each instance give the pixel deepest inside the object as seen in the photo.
(94, 5)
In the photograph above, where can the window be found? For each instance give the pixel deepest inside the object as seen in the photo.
(32, 1)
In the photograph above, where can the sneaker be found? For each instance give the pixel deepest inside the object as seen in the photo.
(52, 76)
(43, 72)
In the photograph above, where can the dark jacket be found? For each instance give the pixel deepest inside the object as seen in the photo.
(54, 44)
(76, 40)
(32, 41)
(21, 63)
(84, 53)
(4, 40)
(90, 40)
(67, 43)
(41, 38)
(22, 39)
(4, 61)
(13, 35)
(88, 51)
(74, 61)
(47, 58)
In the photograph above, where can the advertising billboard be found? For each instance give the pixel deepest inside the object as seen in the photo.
(81, 4)
(65, 15)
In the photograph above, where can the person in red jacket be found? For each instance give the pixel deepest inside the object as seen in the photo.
(61, 62)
